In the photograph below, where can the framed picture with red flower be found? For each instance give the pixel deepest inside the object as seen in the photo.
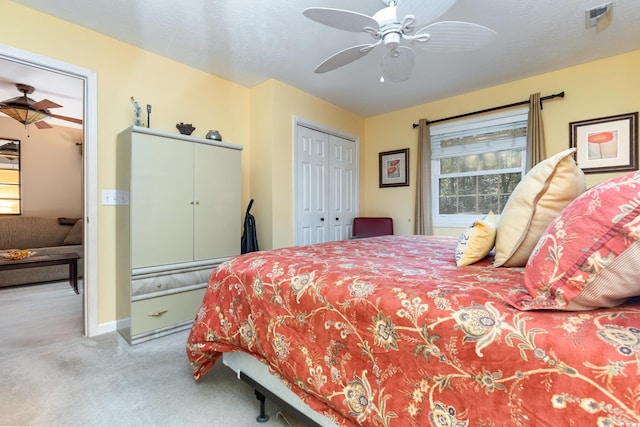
(394, 168)
(606, 144)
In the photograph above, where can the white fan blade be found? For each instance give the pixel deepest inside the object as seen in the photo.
(344, 57)
(397, 65)
(453, 36)
(341, 19)
(425, 11)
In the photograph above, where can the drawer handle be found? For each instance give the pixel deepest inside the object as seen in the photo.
(157, 313)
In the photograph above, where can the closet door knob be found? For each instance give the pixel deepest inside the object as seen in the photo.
(337, 219)
(321, 219)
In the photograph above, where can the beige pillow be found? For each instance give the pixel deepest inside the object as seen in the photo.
(75, 234)
(476, 242)
(548, 187)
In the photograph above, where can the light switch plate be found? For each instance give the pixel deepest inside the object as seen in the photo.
(115, 197)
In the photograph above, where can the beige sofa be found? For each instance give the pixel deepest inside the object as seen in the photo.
(45, 236)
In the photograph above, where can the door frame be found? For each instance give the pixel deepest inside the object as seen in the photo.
(89, 175)
(299, 121)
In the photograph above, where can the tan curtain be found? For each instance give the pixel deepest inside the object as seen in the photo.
(422, 219)
(535, 133)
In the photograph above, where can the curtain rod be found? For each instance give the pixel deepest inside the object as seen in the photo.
(515, 104)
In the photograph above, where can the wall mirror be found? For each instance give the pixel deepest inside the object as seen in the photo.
(10, 177)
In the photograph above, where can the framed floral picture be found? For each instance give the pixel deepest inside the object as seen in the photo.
(394, 168)
(606, 144)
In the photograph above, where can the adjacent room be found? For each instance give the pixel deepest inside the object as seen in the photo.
(319, 212)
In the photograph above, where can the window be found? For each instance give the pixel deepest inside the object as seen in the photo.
(9, 176)
(475, 165)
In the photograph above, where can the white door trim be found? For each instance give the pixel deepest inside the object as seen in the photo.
(90, 173)
(322, 128)
(299, 121)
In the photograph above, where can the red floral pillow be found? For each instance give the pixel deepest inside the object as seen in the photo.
(589, 256)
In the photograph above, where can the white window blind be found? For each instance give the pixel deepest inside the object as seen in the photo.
(479, 136)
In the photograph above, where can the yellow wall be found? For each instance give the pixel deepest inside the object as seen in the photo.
(260, 162)
(597, 89)
(273, 105)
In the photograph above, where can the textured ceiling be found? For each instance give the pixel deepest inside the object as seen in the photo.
(250, 41)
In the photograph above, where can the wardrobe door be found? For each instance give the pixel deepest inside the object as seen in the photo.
(216, 213)
(160, 201)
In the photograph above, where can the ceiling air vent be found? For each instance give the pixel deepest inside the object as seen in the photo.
(595, 14)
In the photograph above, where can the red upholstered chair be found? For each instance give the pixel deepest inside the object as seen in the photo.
(371, 226)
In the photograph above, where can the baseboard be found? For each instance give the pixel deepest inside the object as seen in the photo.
(105, 328)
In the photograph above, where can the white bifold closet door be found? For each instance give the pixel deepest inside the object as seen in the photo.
(326, 186)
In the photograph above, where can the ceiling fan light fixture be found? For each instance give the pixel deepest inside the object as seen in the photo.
(24, 115)
(19, 108)
(397, 64)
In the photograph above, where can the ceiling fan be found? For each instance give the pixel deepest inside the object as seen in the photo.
(396, 24)
(27, 111)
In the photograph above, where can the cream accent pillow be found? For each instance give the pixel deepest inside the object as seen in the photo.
(477, 241)
(548, 187)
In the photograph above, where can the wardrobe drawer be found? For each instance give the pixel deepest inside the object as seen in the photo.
(163, 311)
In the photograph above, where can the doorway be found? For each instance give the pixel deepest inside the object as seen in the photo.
(90, 175)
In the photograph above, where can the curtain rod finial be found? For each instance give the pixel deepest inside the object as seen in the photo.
(426, 122)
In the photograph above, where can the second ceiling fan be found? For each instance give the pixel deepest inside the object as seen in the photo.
(28, 111)
(401, 21)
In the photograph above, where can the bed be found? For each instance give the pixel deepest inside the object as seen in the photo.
(391, 331)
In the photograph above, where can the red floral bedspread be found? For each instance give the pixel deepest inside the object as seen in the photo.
(387, 331)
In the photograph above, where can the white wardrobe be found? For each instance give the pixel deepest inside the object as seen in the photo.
(182, 220)
(326, 185)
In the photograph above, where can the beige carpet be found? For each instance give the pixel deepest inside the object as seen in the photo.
(52, 376)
